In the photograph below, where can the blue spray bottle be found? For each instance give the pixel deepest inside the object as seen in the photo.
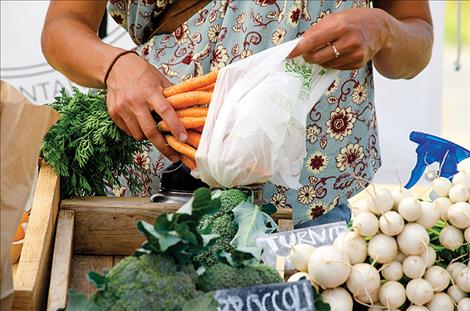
(435, 149)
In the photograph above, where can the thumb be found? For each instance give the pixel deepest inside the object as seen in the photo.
(298, 50)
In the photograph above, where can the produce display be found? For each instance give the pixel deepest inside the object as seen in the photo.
(173, 270)
(401, 254)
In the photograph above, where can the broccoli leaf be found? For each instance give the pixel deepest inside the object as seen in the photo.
(204, 302)
(252, 222)
(268, 208)
(98, 280)
(79, 302)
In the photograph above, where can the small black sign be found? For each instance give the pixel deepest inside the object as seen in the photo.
(294, 296)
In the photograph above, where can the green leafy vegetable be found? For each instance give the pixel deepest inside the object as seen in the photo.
(252, 222)
(86, 148)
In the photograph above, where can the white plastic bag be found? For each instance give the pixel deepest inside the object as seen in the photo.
(255, 127)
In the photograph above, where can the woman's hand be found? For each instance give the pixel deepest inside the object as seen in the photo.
(396, 35)
(356, 34)
(135, 90)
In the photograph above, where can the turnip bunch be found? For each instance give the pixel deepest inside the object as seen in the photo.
(402, 253)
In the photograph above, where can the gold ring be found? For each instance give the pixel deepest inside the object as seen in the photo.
(335, 51)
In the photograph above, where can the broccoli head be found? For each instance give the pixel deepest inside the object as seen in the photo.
(148, 282)
(221, 276)
(220, 223)
(229, 199)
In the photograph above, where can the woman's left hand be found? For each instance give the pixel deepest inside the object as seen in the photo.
(346, 40)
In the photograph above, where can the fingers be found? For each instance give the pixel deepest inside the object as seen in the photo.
(324, 54)
(149, 129)
(167, 113)
(316, 37)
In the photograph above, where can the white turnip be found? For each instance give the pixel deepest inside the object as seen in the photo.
(391, 223)
(462, 280)
(338, 298)
(382, 248)
(419, 291)
(353, 245)
(410, 209)
(417, 308)
(380, 202)
(458, 193)
(400, 256)
(360, 206)
(364, 283)
(393, 271)
(413, 240)
(451, 237)
(366, 224)
(430, 215)
(400, 194)
(429, 256)
(392, 294)
(329, 267)
(459, 215)
(299, 255)
(298, 276)
(441, 186)
(461, 178)
(454, 269)
(464, 305)
(441, 302)
(466, 235)
(414, 267)
(456, 294)
(438, 277)
(442, 205)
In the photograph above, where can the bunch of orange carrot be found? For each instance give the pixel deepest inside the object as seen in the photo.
(190, 99)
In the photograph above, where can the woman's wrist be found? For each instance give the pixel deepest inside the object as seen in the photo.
(119, 68)
(386, 21)
(113, 64)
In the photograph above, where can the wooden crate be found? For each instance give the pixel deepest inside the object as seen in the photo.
(31, 274)
(94, 233)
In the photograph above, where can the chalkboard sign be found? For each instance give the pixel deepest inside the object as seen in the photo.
(295, 296)
(279, 244)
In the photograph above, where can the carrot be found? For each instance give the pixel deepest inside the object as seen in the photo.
(180, 147)
(207, 88)
(188, 123)
(198, 129)
(188, 99)
(194, 138)
(188, 162)
(192, 112)
(191, 84)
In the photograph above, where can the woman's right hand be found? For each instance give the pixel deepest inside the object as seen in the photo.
(135, 89)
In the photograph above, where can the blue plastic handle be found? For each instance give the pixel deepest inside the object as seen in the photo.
(435, 149)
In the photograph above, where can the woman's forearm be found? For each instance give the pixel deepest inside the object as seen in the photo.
(407, 48)
(71, 45)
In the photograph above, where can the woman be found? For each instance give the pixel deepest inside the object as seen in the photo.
(342, 143)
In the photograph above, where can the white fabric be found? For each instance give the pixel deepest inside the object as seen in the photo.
(255, 128)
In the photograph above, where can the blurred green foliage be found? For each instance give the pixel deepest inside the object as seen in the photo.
(451, 22)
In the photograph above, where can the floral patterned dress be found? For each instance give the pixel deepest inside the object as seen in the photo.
(341, 133)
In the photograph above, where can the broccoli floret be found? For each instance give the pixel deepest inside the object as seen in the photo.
(221, 276)
(229, 199)
(220, 223)
(148, 282)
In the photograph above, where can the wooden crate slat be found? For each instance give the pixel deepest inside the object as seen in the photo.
(32, 277)
(61, 262)
(107, 226)
(83, 264)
